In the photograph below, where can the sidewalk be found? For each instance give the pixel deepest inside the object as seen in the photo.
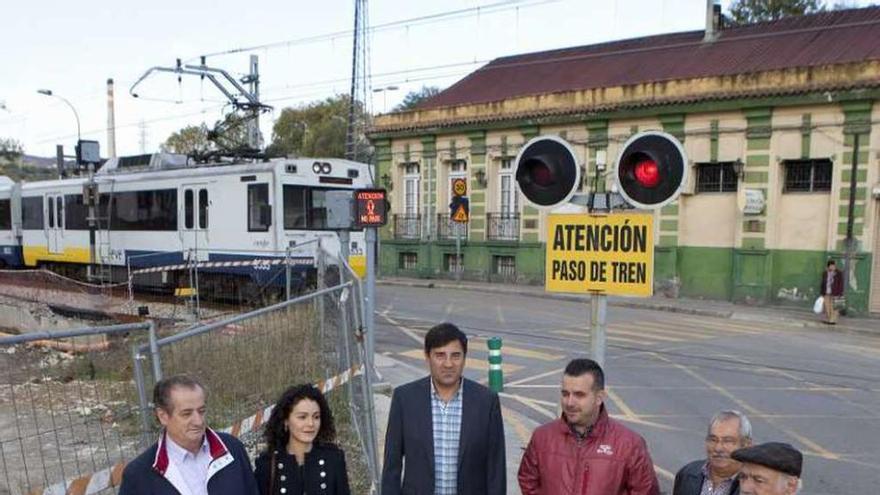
(517, 428)
(719, 309)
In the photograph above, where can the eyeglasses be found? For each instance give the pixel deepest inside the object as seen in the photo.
(725, 441)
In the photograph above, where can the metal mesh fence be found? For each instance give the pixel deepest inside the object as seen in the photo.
(68, 407)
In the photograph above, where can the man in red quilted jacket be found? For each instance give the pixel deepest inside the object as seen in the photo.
(585, 452)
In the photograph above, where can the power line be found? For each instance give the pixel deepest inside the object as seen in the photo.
(427, 19)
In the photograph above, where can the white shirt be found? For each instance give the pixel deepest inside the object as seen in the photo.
(193, 468)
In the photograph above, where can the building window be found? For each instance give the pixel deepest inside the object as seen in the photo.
(504, 266)
(716, 177)
(408, 261)
(807, 175)
(411, 188)
(453, 263)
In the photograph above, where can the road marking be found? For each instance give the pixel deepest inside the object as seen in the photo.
(611, 338)
(678, 331)
(531, 404)
(531, 378)
(665, 473)
(409, 333)
(522, 431)
(525, 353)
(630, 415)
(817, 449)
(473, 364)
(614, 330)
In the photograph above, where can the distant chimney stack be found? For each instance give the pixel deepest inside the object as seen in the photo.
(713, 20)
(111, 121)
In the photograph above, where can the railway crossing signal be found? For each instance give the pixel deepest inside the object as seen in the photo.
(651, 170)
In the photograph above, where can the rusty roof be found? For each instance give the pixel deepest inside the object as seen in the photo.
(827, 38)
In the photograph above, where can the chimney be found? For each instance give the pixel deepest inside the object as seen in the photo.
(111, 121)
(713, 20)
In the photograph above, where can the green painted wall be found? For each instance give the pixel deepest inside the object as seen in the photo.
(705, 272)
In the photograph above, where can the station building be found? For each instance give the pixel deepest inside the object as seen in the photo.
(779, 121)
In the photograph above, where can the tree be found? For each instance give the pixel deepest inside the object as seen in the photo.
(229, 134)
(190, 140)
(317, 129)
(751, 11)
(10, 150)
(413, 98)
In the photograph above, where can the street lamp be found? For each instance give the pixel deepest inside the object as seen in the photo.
(384, 92)
(48, 92)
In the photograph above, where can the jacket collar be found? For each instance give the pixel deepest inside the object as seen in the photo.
(220, 458)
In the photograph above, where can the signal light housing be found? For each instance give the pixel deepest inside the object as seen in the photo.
(651, 170)
(547, 172)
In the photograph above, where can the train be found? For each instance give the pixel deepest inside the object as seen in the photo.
(251, 221)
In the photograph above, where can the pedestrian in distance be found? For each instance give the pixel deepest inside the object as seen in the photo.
(446, 430)
(585, 452)
(717, 473)
(771, 468)
(301, 455)
(189, 458)
(830, 288)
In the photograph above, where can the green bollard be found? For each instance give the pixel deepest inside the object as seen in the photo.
(496, 374)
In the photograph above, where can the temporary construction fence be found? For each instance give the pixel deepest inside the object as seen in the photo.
(67, 403)
(55, 441)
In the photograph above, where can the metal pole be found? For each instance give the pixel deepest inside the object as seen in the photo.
(287, 273)
(598, 310)
(850, 220)
(154, 352)
(370, 322)
(458, 263)
(142, 395)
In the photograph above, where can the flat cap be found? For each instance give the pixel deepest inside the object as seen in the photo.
(779, 456)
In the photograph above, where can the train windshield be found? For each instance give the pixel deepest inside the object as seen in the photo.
(305, 207)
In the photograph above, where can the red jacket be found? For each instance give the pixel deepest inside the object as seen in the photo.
(612, 460)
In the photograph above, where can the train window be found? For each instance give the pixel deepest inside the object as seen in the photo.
(51, 212)
(59, 212)
(259, 210)
(203, 208)
(188, 209)
(32, 213)
(5, 215)
(305, 207)
(144, 210)
(296, 201)
(76, 213)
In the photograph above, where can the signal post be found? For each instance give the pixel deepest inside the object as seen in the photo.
(602, 252)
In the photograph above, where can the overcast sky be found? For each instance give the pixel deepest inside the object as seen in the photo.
(73, 47)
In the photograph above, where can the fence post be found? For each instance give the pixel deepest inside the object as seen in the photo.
(154, 352)
(136, 358)
(496, 374)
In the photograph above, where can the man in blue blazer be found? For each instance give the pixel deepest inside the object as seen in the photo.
(445, 433)
(189, 458)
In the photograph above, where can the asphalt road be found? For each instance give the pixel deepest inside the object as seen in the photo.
(668, 373)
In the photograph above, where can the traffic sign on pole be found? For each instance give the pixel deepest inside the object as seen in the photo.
(459, 187)
(459, 209)
(609, 254)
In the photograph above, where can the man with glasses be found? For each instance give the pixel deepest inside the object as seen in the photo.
(717, 474)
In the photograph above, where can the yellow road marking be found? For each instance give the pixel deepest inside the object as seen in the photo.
(522, 431)
(542, 375)
(516, 351)
(615, 330)
(530, 403)
(678, 331)
(817, 449)
(474, 364)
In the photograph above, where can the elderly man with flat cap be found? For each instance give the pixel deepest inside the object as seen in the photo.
(771, 468)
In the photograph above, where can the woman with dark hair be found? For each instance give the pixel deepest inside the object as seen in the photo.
(301, 455)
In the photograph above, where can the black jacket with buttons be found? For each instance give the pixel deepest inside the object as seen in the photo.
(324, 472)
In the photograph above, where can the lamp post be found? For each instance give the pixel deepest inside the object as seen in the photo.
(48, 92)
(384, 92)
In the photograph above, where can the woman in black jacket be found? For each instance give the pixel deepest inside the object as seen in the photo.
(301, 456)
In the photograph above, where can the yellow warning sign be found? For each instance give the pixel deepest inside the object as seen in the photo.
(459, 187)
(613, 254)
(461, 214)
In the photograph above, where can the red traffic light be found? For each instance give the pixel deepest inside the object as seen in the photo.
(647, 172)
(651, 170)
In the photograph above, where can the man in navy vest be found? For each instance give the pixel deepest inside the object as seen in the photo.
(189, 458)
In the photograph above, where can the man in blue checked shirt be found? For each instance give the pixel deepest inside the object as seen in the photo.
(446, 429)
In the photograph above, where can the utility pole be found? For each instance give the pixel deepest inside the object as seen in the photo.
(358, 91)
(111, 121)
